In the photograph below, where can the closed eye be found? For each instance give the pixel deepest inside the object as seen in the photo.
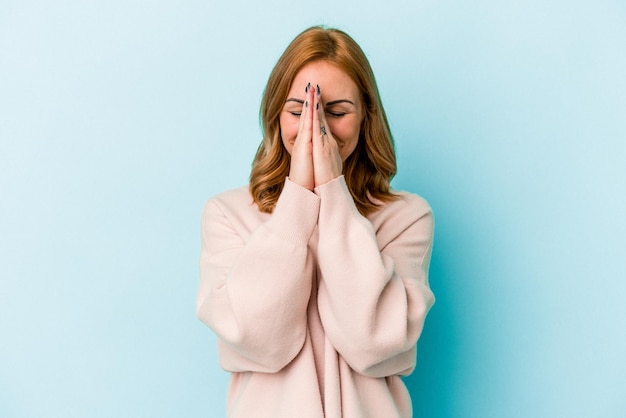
(336, 114)
(296, 113)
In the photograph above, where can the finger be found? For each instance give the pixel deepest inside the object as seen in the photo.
(308, 112)
(318, 108)
(323, 127)
(305, 112)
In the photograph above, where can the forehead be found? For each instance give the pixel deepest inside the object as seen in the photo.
(332, 80)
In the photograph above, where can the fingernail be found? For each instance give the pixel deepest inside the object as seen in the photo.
(318, 88)
(306, 104)
(317, 106)
(308, 86)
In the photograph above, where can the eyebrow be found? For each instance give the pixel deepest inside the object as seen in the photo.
(334, 102)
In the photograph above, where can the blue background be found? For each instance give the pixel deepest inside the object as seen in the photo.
(118, 119)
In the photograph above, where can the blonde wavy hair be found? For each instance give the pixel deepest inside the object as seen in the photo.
(371, 166)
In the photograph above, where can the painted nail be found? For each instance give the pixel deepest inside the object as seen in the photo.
(308, 86)
(317, 106)
(318, 88)
(306, 104)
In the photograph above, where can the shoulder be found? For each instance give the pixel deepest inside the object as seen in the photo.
(413, 202)
(233, 196)
(407, 205)
(408, 211)
(234, 209)
(231, 201)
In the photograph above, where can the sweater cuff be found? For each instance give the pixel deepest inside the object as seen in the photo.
(337, 207)
(336, 193)
(296, 213)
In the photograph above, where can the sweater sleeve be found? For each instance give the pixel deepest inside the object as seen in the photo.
(254, 290)
(373, 301)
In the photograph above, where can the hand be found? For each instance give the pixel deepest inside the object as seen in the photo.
(327, 163)
(301, 168)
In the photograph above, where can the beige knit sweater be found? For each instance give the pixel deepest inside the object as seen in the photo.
(317, 309)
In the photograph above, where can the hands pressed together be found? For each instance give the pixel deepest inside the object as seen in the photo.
(315, 158)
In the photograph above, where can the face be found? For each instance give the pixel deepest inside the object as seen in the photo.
(341, 100)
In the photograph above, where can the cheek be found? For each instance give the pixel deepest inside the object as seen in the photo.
(288, 132)
(347, 134)
(346, 131)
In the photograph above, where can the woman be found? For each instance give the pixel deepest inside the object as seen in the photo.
(314, 277)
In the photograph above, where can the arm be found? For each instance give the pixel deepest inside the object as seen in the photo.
(373, 301)
(254, 293)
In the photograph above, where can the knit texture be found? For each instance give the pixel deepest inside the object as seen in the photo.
(317, 309)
